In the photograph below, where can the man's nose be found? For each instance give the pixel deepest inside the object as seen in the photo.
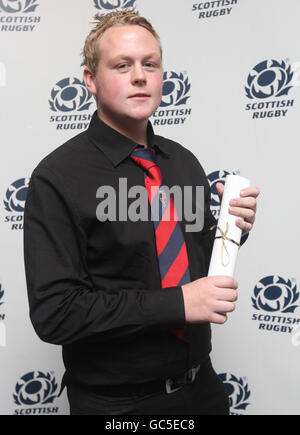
(138, 75)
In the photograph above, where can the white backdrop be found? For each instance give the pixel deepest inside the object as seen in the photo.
(213, 51)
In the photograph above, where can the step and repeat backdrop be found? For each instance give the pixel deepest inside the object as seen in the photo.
(232, 96)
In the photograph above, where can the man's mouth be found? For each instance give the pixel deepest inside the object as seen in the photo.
(140, 95)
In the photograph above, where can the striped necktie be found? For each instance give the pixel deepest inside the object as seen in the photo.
(170, 245)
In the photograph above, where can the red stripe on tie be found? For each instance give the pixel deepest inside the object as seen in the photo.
(155, 176)
(176, 271)
(146, 164)
(153, 182)
(165, 228)
(170, 214)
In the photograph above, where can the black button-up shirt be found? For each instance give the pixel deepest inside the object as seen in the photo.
(94, 287)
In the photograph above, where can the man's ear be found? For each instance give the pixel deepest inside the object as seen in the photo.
(89, 80)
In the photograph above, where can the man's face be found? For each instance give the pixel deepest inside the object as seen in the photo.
(129, 78)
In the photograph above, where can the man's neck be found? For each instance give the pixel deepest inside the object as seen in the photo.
(136, 131)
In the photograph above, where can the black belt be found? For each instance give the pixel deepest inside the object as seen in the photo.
(169, 386)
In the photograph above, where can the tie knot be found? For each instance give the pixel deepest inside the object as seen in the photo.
(144, 157)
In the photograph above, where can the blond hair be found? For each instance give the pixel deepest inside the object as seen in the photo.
(103, 22)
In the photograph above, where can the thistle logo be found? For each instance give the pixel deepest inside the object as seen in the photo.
(175, 93)
(13, 6)
(269, 80)
(275, 294)
(14, 202)
(16, 195)
(175, 90)
(109, 5)
(276, 297)
(70, 97)
(238, 392)
(35, 388)
(18, 23)
(216, 8)
(214, 178)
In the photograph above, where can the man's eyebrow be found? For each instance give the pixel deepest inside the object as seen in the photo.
(152, 55)
(126, 57)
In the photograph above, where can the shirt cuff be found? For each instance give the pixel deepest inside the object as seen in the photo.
(167, 309)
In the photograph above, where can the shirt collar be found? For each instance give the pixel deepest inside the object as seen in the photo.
(114, 145)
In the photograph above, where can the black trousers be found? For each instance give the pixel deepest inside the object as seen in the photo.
(205, 396)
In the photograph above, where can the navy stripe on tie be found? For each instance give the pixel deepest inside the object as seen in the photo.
(186, 278)
(171, 251)
(158, 208)
(145, 154)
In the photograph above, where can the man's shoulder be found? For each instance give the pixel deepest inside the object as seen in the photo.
(62, 156)
(168, 143)
(175, 148)
(184, 158)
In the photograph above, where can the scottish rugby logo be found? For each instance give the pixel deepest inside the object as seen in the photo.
(70, 98)
(18, 15)
(35, 389)
(238, 392)
(19, 6)
(176, 89)
(14, 203)
(16, 195)
(175, 95)
(211, 9)
(70, 94)
(275, 299)
(109, 5)
(269, 80)
(273, 293)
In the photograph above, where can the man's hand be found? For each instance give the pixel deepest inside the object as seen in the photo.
(209, 299)
(243, 207)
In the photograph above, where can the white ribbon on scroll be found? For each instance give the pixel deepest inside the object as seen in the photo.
(228, 235)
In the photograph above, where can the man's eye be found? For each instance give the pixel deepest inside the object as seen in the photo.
(122, 66)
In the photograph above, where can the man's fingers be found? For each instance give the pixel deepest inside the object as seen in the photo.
(226, 307)
(244, 226)
(245, 213)
(219, 315)
(250, 191)
(219, 318)
(220, 190)
(228, 295)
(248, 202)
(224, 281)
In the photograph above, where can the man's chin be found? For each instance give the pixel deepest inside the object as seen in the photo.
(140, 116)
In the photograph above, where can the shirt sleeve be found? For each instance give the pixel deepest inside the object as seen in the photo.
(64, 306)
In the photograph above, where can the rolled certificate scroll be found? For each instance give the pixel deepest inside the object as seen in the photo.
(228, 235)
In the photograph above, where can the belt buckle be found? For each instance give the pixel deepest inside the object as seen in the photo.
(191, 374)
(170, 388)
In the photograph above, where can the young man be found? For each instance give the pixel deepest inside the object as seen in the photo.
(129, 301)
